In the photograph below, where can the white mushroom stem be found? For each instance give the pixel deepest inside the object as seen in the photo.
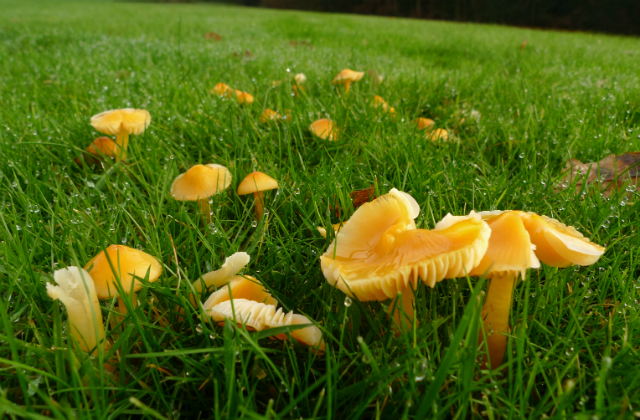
(259, 207)
(403, 313)
(75, 289)
(122, 140)
(495, 317)
(205, 208)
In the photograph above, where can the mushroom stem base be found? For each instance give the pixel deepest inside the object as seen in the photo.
(122, 307)
(495, 318)
(205, 208)
(122, 140)
(259, 206)
(402, 309)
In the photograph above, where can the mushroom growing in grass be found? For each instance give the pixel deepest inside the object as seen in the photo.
(380, 253)
(424, 123)
(218, 278)
(269, 115)
(519, 241)
(240, 287)
(244, 98)
(378, 102)
(75, 289)
(346, 77)
(124, 264)
(100, 148)
(221, 89)
(256, 183)
(325, 129)
(199, 183)
(122, 123)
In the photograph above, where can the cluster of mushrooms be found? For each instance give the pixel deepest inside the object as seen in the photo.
(376, 255)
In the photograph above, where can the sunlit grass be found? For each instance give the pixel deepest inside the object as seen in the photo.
(574, 348)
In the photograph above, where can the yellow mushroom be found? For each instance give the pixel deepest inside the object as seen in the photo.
(218, 278)
(122, 123)
(346, 77)
(98, 149)
(325, 129)
(76, 290)
(221, 89)
(244, 98)
(336, 227)
(437, 134)
(240, 287)
(125, 264)
(380, 253)
(199, 183)
(269, 115)
(255, 183)
(424, 123)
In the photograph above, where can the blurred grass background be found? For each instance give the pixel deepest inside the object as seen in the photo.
(574, 348)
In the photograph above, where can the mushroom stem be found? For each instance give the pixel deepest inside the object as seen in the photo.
(122, 307)
(205, 208)
(347, 85)
(495, 316)
(403, 312)
(122, 140)
(259, 207)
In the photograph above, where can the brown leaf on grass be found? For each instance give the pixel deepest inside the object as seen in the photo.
(524, 44)
(359, 198)
(212, 36)
(609, 175)
(301, 44)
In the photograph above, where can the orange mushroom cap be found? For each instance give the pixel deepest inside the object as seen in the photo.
(200, 181)
(325, 129)
(221, 89)
(121, 121)
(424, 123)
(103, 146)
(128, 263)
(379, 252)
(437, 134)
(255, 182)
(244, 97)
(269, 115)
(347, 75)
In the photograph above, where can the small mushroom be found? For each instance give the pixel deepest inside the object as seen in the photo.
(199, 183)
(437, 134)
(261, 316)
(218, 278)
(378, 102)
(346, 77)
(269, 115)
(75, 289)
(125, 264)
(300, 78)
(379, 253)
(122, 123)
(325, 129)
(244, 98)
(221, 89)
(424, 123)
(255, 183)
(519, 241)
(98, 149)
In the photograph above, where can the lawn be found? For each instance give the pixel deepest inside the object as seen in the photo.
(574, 347)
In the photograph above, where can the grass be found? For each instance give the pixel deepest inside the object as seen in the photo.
(573, 351)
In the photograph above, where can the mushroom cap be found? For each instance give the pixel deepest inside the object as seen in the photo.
(261, 316)
(220, 89)
(510, 248)
(244, 97)
(347, 75)
(424, 123)
(300, 78)
(231, 267)
(269, 115)
(200, 181)
(437, 134)
(240, 287)
(336, 227)
(121, 121)
(325, 129)
(256, 182)
(103, 146)
(127, 262)
(379, 252)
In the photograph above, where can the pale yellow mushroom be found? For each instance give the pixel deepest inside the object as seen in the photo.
(325, 129)
(199, 183)
(122, 123)
(346, 77)
(256, 183)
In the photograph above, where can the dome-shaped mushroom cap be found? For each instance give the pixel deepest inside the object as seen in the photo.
(325, 129)
(260, 316)
(200, 181)
(424, 123)
(348, 75)
(255, 182)
(118, 121)
(127, 262)
(510, 248)
(379, 252)
(556, 244)
(240, 287)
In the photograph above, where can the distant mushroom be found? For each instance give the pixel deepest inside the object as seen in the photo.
(300, 78)
(75, 289)
(518, 239)
(346, 77)
(99, 148)
(269, 115)
(424, 123)
(325, 129)
(199, 183)
(261, 316)
(256, 183)
(221, 89)
(244, 97)
(380, 253)
(378, 102)
(123, 263)
(122, 123)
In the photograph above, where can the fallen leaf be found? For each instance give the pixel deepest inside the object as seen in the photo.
(212, 36)
(359, 198)
(610, 174)
(524, 44)
(301, 44)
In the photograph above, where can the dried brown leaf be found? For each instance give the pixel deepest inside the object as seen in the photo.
(610, 174)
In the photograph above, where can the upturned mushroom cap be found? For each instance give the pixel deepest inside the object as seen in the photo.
(121, 121)
(379, 252)
(510, 249)
(347, 75)
(424, 123)
(325, 129)
(221, 89)
(200, 181)
(260, 316)
(556, 244)
(240, 287)
(256, 182)
(127, 262)
(437, 134)
(269, 115)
